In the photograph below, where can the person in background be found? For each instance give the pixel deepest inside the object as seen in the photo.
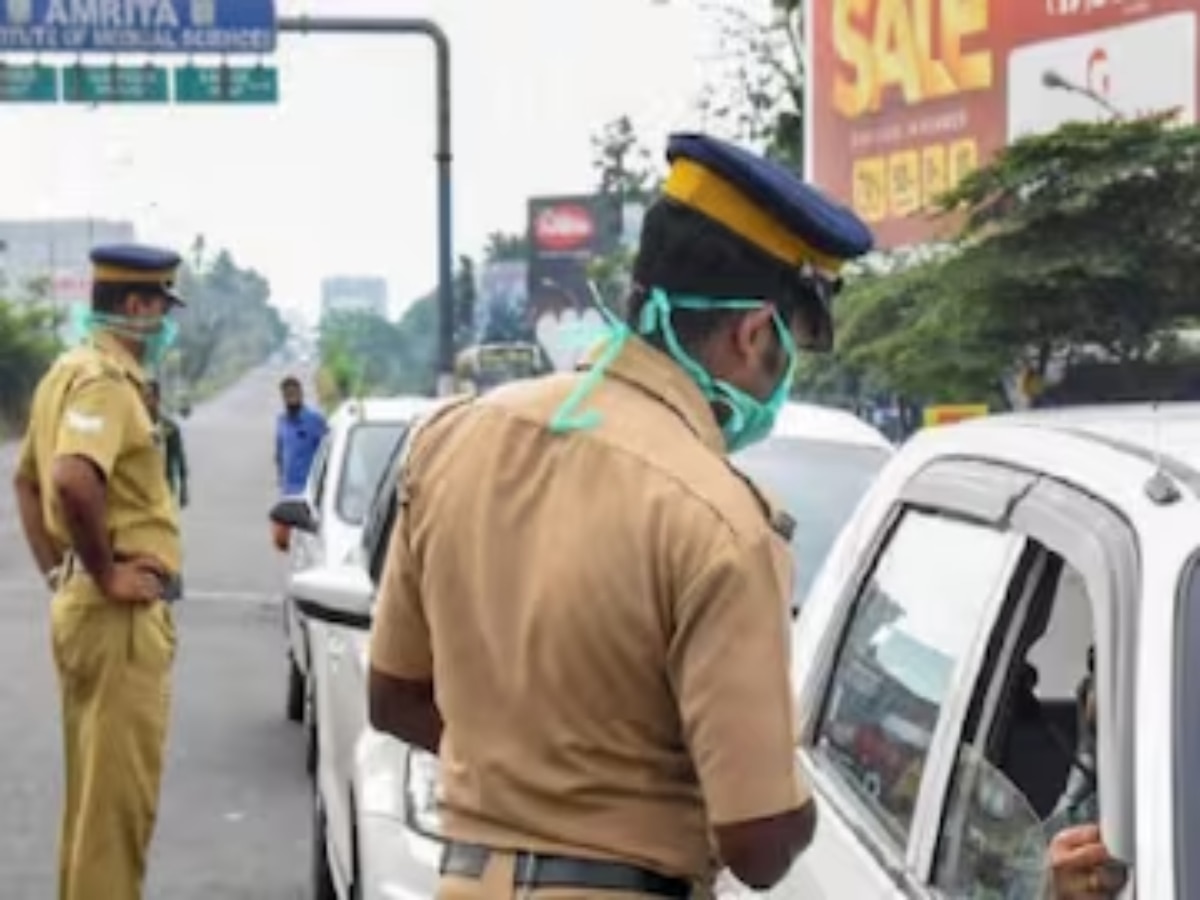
(298, 435)
(170, 439)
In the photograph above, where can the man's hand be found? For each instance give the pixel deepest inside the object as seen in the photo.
(1081, 867)
(138, 580)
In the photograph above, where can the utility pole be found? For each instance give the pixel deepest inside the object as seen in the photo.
(443, 155)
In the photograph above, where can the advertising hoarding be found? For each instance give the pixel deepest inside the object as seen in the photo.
(906, 97)
(566, 234)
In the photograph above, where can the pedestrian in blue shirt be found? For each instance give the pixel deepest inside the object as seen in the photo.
(298, 434)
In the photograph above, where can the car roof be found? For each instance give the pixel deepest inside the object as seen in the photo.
(383, 409)
(826, 423)
(1169, 430)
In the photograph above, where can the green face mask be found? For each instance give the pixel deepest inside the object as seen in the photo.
(85, 322)
(748, 420)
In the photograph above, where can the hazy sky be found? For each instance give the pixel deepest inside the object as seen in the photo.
(339, 178)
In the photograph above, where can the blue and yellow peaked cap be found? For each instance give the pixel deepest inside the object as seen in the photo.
(137, 265)
(763, 203)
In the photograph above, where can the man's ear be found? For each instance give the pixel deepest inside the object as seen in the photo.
(753, 329)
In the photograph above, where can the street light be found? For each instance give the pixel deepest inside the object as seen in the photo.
(1055, 81)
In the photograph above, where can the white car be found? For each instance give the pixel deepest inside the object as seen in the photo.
(327, 519)
(375, 818)
(944, 661)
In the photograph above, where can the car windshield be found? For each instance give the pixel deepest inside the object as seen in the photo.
(818, 483)
(368, 449)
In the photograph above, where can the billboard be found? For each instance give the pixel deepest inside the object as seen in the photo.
(502, 301)
(565, 234)
(905, 97)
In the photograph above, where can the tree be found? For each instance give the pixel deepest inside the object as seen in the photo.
(1076, 245)
(625, 169)
(757, 94)
(623, 164)
(464, 303)
(28, 345)
(229, 324)
(503, 247)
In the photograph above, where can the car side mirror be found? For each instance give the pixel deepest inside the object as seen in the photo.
(294, 512)
(341, 594)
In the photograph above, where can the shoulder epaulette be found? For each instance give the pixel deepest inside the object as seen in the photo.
(88, 364)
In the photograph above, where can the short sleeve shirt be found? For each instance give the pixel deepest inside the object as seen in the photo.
(298, 439)
(90, 405)
(604, 615)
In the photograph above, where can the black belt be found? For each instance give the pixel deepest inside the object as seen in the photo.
(536, 870)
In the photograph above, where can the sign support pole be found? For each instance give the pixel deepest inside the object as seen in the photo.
(430, 29)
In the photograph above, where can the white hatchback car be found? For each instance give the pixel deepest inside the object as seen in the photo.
(375, 818)
(327, 519)
(1005, 640)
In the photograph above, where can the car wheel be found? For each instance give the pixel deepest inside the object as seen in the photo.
(322, 877)
(295, 692)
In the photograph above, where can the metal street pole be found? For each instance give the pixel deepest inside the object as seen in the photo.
(425, 27)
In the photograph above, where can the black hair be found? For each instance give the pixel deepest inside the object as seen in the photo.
(290, 382)
(683, 251)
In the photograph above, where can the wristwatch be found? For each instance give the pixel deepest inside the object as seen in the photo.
(53, 577)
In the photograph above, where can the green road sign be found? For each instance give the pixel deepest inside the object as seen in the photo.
(28, 84)
(115, 84)
(227, 84)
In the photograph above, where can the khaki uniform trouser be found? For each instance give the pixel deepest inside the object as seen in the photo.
(498, 883)
(114, 670)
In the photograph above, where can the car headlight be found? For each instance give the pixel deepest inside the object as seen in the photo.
(381, 765)
(422, 793)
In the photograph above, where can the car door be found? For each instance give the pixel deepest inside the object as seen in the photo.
(306, 552)
(882, 712)
(342, 681)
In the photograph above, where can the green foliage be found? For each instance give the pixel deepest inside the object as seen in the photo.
(229, 325)
(503, 247)
(363, 354)
(623, 164)
(1076, 245)
(757, 96)
(28, 345)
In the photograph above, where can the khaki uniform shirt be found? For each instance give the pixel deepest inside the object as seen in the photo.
(605, 617)
(90, 404)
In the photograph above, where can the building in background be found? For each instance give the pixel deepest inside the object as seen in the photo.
(354, 294)
(54, 253)
(903, 104)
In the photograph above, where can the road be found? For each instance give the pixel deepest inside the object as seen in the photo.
(234, 822)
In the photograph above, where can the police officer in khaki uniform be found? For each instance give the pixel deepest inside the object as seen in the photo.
(585, 607)
(102, 525)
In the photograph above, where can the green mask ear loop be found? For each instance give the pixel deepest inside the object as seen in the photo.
(566, 419)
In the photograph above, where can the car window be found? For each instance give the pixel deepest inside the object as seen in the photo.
(916, 617)
(369, 446)
(818, 483)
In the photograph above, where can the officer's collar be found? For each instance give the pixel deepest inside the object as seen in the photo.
(654, 372)
(110, 345)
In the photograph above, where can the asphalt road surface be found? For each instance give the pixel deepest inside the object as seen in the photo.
(234, 821)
